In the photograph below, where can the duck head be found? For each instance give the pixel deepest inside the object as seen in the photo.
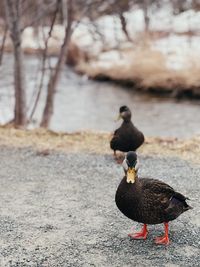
(124, 113)
(131, 166)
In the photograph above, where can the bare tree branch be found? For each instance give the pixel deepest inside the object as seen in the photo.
(3, 44)
(124, 26)
(44, 62)
(41, 13)
(48, 110)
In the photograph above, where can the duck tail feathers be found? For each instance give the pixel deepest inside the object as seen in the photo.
(187, 207)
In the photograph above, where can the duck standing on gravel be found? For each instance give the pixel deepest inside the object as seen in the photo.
(127, 137)
(147, 201)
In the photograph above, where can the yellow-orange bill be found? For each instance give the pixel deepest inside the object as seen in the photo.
(131, 174)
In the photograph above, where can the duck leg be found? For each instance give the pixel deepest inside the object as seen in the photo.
(118, 158)
(141, 235)
(163, 240)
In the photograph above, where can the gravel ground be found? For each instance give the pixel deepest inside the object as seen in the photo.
(59, 210)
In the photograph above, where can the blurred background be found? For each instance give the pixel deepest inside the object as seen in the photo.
(68, 65)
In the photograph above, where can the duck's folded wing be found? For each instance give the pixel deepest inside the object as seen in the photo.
(115, 132)
(159, 192)
(164, 194)
(115, 140)
(157, 187)
(180, 197)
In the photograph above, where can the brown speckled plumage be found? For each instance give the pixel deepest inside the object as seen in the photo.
(149, 201)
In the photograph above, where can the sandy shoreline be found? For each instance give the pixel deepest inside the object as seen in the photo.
(96, 142)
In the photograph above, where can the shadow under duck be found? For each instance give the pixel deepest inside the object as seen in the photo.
(147, 201)
(127, 137)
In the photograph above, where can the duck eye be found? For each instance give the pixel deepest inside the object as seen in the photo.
(125, 165)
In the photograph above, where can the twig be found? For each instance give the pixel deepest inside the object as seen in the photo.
(43, 63)
(41, 14)
(124, 26)
(3, 44)
(48, 110)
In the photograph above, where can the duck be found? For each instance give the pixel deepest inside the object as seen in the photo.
(148, 200)
(127, 137)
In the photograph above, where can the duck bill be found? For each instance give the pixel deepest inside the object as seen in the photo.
(118, 118)
(131, 175)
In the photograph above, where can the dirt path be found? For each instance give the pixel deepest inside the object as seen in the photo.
(59, 210)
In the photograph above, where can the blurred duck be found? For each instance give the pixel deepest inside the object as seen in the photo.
(147, 201)
(127, 137)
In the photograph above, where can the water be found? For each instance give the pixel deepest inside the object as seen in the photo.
(82, 104)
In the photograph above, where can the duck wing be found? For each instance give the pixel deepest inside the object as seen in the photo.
(121, 143)
(165, 198)
(156, 187)
(159, 187)
(116, 139)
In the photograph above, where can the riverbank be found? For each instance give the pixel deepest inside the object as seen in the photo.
(144, 67)
(158, 62)
(45, 141)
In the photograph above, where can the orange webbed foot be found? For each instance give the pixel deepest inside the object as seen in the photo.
(163, 240)
(141, 235)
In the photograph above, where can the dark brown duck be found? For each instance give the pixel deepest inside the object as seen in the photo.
(148, 201)
(127, 137)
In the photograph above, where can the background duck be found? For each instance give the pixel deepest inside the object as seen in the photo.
(127, 137)
(148, 201)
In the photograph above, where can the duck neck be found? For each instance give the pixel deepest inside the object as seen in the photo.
(127, 120)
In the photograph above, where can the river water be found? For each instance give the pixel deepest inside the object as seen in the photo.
(82, 104)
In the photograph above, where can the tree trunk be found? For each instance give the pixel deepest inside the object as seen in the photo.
(3, 44)
(146, 15)
(124, 26)
(48, 110)
(13, 9)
